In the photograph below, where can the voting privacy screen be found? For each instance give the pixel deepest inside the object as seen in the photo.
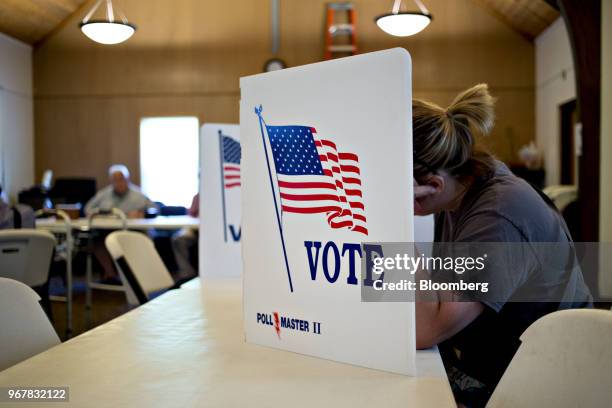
(220, 154)
(326, 165)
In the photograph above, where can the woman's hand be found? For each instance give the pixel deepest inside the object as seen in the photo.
(420, 192)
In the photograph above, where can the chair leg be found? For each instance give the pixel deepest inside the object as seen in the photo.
(88, 280)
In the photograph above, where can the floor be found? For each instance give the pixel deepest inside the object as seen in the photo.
(106, 305)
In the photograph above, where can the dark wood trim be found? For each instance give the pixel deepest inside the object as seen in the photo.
(553, 3)
(583, 21)
(568, 149)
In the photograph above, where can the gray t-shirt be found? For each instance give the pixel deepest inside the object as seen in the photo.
(506, 209)
(106, 199)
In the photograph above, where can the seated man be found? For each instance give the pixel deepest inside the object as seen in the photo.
(119, 194)
(183, 243)
(17, 216)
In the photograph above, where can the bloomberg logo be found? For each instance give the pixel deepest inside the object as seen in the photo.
(282, 323)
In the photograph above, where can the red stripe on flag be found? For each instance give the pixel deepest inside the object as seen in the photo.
(352, 169)
(351, 180)
(306, 184)
(348, 156)
(354, 193)
(328, 143)
(311, 210)
(359, 228)
(309, 197)
(342, 224)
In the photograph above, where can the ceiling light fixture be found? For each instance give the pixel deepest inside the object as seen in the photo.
(107, 31)
(404, 23)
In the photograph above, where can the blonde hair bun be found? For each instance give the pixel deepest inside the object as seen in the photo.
(474, 107)
(444, 138)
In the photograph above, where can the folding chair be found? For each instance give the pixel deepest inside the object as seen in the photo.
(90, 283)
(141, 268)
(564, 361)
(64, 250)
(25, 255)
(26, 330)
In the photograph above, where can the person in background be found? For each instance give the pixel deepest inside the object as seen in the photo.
(6, 214)
(477, 199)
(18, 216)
(183, 243)
(119, 194)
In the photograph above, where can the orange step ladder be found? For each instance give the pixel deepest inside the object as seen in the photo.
(340, 35)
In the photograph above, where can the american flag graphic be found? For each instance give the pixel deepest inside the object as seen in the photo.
(315, 178)
(231, 162)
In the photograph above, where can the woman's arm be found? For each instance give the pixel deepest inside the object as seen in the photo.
(437, 321)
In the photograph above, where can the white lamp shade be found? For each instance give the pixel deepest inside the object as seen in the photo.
(403, 24)
(105, 32)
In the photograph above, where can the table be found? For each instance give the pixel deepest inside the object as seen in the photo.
(186, 348)
(192, 284)
(103, 223)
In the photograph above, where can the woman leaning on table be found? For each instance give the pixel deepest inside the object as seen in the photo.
(477, 199)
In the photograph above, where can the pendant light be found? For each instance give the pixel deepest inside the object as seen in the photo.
(404, 23)
(107, 31)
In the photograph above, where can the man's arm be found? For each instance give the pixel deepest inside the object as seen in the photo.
(94, 202)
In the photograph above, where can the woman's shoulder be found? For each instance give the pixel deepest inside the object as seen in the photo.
(512, 200)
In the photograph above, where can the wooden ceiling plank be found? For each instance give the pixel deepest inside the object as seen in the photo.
(80, 9)
(528, 17)
(32, 20)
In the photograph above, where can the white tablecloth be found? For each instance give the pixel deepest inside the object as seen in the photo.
(186, 348)
(160, 222)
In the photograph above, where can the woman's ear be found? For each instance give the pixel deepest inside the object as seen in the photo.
(436, 181)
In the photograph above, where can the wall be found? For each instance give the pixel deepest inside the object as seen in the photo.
(187, 56)
(16, 116)
(555, 85)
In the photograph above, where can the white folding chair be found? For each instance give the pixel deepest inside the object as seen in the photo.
(562, 195)
(98, 215)
(141, 268)
(26, 330)
(564, 361)
(25, 255)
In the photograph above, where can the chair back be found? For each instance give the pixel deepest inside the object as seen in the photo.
(140, 266)
(564, 361)
(26, 330)
(25, 255)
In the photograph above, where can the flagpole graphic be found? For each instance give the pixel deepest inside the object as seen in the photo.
(258, 112)
(221, 160)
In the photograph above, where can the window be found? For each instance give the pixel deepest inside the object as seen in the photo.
(169, 159)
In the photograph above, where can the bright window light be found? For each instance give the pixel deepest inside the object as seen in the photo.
(169, 159)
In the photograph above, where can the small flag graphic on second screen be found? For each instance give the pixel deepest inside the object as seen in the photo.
(231, 161)
(314, 177)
